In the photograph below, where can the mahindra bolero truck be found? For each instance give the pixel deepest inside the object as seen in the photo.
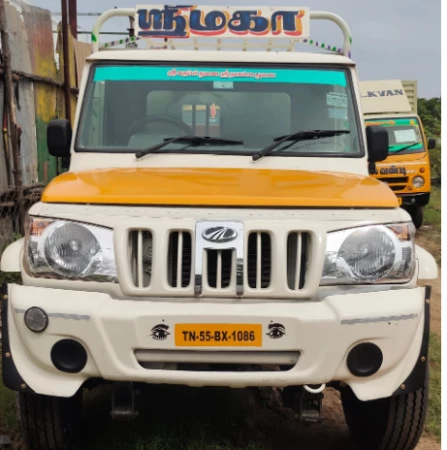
(393, 104)
(217, 226)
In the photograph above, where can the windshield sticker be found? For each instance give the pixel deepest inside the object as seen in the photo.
(402, 136)
(336, 99)
(186, 21)
(156, 73)
(223, 85)
(338, 113)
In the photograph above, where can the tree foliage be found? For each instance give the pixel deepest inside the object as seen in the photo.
(429, 111)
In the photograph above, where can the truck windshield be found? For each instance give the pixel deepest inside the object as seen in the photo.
(405, 135)
(131, 107)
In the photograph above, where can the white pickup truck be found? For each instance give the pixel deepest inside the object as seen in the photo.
(218, 211)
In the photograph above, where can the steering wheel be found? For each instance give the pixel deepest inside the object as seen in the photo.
(138, 125)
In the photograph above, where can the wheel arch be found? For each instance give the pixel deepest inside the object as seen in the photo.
(11, 259)
(427, 267)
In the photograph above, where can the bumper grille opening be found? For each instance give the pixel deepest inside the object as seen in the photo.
(394, 180)
(397, 187)
(180, 259)
(259, 260)
(140, 257)
(297, 253)
(219, 268)
(216, 361)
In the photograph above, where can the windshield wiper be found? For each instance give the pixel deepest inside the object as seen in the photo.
(295, 137)
(404, 148)
(192, 140)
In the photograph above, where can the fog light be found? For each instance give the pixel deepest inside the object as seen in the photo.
(69, 356)
(36, 319)
(418, 182)
(365, 359)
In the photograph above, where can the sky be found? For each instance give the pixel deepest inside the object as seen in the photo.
(392, 39)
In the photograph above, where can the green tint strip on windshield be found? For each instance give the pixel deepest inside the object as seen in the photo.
(156, 73)
(393, 122)
(397, 147)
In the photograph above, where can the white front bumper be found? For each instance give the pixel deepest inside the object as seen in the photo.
(322, 332)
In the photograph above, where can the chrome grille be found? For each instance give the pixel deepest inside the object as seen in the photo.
(179, 259)
(281, 262)
(259, 260)
(140, 257)
(297, 254)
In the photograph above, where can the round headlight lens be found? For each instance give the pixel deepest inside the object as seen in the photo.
(72, 250)
(418, 182)
(368, 253)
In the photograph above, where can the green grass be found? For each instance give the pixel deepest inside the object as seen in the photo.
(172, 418)
(432, 212)
(433, 422)
(8, 417)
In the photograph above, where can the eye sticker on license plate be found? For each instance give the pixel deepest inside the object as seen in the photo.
(218, 335)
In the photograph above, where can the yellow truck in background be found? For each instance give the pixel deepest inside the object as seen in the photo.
(393, 104)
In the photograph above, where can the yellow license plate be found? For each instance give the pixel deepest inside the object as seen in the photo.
(218, 335)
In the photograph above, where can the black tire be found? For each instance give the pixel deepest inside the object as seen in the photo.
(48, 423)
(394, 423)
(417, 215)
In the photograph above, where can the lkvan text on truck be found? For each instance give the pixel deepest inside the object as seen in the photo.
(218, 211)
(393, 104)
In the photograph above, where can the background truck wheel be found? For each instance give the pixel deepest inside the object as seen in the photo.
(48, 423)
(417, 215)
(394, 423)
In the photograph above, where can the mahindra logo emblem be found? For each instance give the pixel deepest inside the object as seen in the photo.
(219, 234)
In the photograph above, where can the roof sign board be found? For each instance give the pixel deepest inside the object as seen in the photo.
(384, 96)
(216, 21)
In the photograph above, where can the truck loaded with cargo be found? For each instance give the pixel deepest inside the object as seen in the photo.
(393, 104)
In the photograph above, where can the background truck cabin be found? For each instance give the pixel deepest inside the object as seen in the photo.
(393, 104)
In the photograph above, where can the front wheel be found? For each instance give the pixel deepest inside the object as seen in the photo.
(417, 215)
(394, 423)
(48, 422)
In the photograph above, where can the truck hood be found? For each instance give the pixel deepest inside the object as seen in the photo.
(219, 187)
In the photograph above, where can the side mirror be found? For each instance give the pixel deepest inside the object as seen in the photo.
(59, 134)
(431, 143)
(378, 142)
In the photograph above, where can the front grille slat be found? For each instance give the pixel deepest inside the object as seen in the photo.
(180, 256)
(297, 254)
(140, 257)
(219, 265)
(299, 241)
(259, 260)
(180, 259)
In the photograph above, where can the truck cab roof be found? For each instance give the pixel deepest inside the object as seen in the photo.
(222, 56)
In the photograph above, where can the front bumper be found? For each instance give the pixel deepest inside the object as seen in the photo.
(320, 332)
(416, 199)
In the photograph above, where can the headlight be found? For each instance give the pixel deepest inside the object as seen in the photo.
(418, 182)
(370, 254)
(64, 249)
